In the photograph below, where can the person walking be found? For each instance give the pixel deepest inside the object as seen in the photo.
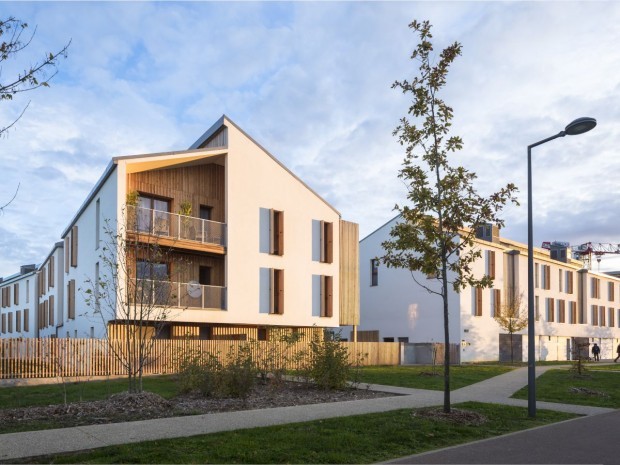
(618, 352)
(596, 350)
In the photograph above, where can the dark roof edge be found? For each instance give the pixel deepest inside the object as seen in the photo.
(380, 227)
(209, 132)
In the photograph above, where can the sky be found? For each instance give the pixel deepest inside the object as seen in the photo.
(311, 82)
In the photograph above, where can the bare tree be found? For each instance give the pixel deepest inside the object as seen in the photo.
(135, 291)
(36, 75)
(512, 316)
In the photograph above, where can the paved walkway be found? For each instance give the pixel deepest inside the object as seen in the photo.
(497, 390)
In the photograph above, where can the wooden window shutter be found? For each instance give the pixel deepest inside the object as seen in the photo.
(16, 293)
(594, 315)
(327, 244)
(4, 322)
(18, 321)
(74, 246)
(492, 264)
(10, 322)
(45, 314)
(67, 254)
(71, 299)
(26, 319)
(51, 310)
(547, 277)
(497, 301)
(551, 309)
(601, 310)
(50, 278)
(280, 289)
(276, 232)
(280, 233)
(569, 282)
(327, 308)
(277, 292)
(478, 310)
(562, 309)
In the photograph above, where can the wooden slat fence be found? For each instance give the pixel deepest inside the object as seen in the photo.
(52, 358)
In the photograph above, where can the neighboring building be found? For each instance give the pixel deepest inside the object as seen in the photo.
(19, 299)
(259, 247)
(573, 305)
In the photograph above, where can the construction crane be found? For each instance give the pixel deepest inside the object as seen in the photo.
(585, 252)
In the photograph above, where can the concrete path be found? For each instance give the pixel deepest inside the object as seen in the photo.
(497, 390)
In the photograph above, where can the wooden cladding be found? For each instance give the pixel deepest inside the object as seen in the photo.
(198, 185)
(327, 242)
(276, 232)
(276, 300)
(349, 274)
(478, 301)
(327, 298)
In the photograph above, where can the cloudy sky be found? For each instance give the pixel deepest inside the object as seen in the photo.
(312, 83)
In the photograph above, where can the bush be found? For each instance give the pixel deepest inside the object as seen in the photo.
(238, 376)
(329, 363)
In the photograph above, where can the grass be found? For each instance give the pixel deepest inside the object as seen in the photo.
(416, 376)
(357, 439)
(51, 394)
(554, 386)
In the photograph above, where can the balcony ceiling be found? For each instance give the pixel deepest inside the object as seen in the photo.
(149, 164)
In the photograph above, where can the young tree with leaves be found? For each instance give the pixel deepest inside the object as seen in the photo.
(512, 316)
(436, 233)
(36, 75)
(134, 294)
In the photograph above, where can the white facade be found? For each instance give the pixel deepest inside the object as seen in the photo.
(566, 313)
(233, 186)
(19, 298)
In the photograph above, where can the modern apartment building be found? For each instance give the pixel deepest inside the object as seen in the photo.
(248, 246)
(572, 304)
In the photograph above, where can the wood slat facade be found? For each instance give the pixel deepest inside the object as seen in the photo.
(349, 274)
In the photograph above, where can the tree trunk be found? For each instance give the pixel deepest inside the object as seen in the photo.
(446, 329)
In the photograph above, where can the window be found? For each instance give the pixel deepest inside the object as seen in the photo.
(276, 303)
(569, 282)
(327, 242)
(16, 293)
(204, 275)
(206, 212)
(151, 271)
(561, 311)
(403, 339)
(27, 291)
(262, 334)
(276, 232)
(550, 310)
(71, 299)
(327, 288)
(491, 263)
(497, 301)
(97, 292)
(153, 215)
(595, 288)
(478, 301)
(374, 272)
(92, 332)
(610, 292)
(97, 222)
(388, 339)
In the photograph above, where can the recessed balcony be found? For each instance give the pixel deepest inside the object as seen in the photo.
(178, 231)
(163, 293)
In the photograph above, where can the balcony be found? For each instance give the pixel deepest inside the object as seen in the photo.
(173, 230)
(177, 295)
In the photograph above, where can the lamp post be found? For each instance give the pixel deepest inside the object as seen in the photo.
(579, 126)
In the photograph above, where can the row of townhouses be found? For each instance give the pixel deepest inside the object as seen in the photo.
(573, 305)
(243, 245)
(249, 247)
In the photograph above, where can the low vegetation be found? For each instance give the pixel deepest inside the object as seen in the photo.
(423, 377)
(597, 387)
(357, 439)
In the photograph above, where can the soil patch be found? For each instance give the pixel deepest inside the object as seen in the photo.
(458, 416)
(131, 407)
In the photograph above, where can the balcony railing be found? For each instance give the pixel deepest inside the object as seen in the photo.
(180, 227)
(176, 295)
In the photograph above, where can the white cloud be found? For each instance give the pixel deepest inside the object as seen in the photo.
(311, 82)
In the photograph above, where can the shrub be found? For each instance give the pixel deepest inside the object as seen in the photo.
(329, 363)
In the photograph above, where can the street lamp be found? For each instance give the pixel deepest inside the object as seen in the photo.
(579, 126)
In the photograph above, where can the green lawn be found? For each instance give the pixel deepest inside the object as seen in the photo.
(420, 377)
(49, 394)
(555, 386)
(357, 439)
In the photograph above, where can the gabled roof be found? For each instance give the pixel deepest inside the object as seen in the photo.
(223, 121)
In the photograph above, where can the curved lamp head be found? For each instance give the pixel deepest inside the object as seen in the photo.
(579, 126)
